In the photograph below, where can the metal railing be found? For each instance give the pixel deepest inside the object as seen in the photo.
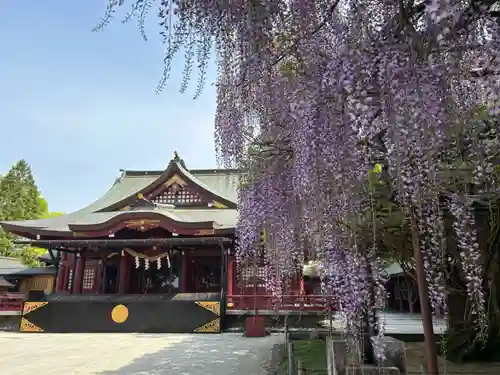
(11, 302)
(284, 302)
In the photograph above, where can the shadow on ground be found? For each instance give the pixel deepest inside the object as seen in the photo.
(204, 354)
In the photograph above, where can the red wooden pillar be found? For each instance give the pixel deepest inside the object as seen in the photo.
(231, 282)
(184, 280)
(124, 274)
(80, 266)
(230, 276)
(70, 259)
(61, 273)
(99, 276)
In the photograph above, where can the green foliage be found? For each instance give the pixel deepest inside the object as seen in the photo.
(389, 220)
(30, 255)
(312, 355)
(44, 206)
(20, 199)
(45, 213)
(19, 195)
(48, 215)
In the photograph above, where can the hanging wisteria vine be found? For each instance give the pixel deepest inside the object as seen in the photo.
(304, 86)
(470, 253)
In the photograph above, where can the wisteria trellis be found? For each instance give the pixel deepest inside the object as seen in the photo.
(303, 84)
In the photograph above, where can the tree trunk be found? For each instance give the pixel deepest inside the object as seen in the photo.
(369, 330)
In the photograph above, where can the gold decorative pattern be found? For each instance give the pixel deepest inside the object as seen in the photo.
(27, 326)
(32, 306)
(80, 234)
(119, 314)
(142, 225)
(176, 194)
(210, 306)
(210, 327)
(204, 232)
(177, 179)
(126, 208)
(218, 204)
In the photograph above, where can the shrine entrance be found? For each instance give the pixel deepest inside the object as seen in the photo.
(154, 280)
(201, 274)
(206, 275)
(149, 299)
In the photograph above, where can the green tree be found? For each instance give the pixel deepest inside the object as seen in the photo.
(44, 206)
(19, 195)
(45, 213)
(30, 255)
(20, 199)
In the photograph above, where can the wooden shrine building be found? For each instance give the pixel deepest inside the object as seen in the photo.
(153, 254)
(154, 234)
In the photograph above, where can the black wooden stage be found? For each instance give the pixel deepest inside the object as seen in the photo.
(177, 313)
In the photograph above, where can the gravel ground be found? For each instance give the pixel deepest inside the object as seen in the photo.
(134, 354)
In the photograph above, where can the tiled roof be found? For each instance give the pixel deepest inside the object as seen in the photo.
(5, 283)
(46, 258)
(394, 269)
(13, 267)
(9, 266)
(35, 271)
(220, 182)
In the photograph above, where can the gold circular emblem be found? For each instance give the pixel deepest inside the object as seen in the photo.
(119, 314)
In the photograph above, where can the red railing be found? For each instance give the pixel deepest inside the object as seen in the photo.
(11, 302)
(285, 302)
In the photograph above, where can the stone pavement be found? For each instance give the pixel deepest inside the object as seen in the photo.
(402, 323)
(134, 354)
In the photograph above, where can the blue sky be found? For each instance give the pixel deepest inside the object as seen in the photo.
(78, 105)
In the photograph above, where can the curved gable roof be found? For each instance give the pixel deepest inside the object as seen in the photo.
(219, 183)
(227, 196)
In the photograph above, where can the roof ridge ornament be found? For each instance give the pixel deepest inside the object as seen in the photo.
(177, 159)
